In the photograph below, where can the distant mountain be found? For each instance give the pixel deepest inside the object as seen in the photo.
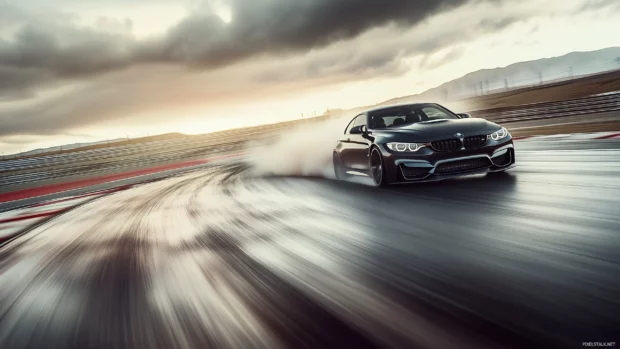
(521, 74)
(94, 145)
(68, 147)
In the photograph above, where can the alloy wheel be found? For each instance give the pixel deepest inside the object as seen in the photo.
(376, 167)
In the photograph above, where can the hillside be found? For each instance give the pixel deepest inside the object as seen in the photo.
(69, 148)
(523, 74)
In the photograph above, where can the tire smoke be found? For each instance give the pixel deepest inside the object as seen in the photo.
(305, 150)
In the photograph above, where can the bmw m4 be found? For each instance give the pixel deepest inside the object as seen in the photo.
(421, 142)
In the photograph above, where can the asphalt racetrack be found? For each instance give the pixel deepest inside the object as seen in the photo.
(218, 258)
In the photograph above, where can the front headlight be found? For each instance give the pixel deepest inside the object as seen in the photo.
(405, 147)
(501, 134)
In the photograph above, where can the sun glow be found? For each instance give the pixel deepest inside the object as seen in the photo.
(225, 13)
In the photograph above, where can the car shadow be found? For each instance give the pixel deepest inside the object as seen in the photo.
(504, 181)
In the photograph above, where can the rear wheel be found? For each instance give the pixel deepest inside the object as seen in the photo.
(338, 169)
(377, 168)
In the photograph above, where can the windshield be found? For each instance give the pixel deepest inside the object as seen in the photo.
(407, 115)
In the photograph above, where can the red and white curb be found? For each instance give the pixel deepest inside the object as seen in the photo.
(15, 221)
(571, 137)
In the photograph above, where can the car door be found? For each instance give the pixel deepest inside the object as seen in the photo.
(357, 157)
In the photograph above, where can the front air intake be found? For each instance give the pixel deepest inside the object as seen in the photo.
(462, 165)
(504, 159)
(412, 173)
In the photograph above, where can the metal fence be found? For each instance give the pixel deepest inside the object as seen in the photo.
(528, 78)
(608, 102)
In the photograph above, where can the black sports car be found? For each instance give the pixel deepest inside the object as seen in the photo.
(421, 142)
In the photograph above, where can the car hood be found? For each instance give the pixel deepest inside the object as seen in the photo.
(439, 129)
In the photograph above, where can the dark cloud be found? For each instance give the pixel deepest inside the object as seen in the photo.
(282, 26)
(385, 54)
(80, 54)
(270, 26)
(38, 55)
(202, 40)
(15, 84)
(340, 66)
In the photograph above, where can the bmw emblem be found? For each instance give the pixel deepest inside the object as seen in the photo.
(459, 135)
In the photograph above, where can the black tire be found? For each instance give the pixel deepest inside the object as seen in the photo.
(338, 169)
(377, 168)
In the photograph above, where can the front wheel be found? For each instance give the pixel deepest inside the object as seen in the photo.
(377, 168)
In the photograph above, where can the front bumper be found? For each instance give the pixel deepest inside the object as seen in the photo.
(408, 168)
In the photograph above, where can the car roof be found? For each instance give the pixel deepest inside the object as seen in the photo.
(396, 106)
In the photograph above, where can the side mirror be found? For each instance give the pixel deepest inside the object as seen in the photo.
(359, 130)
(464, 115)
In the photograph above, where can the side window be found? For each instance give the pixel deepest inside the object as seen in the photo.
(360, 120)
(351, 125)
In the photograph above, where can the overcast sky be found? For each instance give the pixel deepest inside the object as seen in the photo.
(87, 70)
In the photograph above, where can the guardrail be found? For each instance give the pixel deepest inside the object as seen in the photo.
(115, 159)
(185, 144)
(588, 105)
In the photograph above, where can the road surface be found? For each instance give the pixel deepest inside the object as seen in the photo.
(217, 258)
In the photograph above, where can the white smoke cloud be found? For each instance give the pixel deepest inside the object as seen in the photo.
(305, 150)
